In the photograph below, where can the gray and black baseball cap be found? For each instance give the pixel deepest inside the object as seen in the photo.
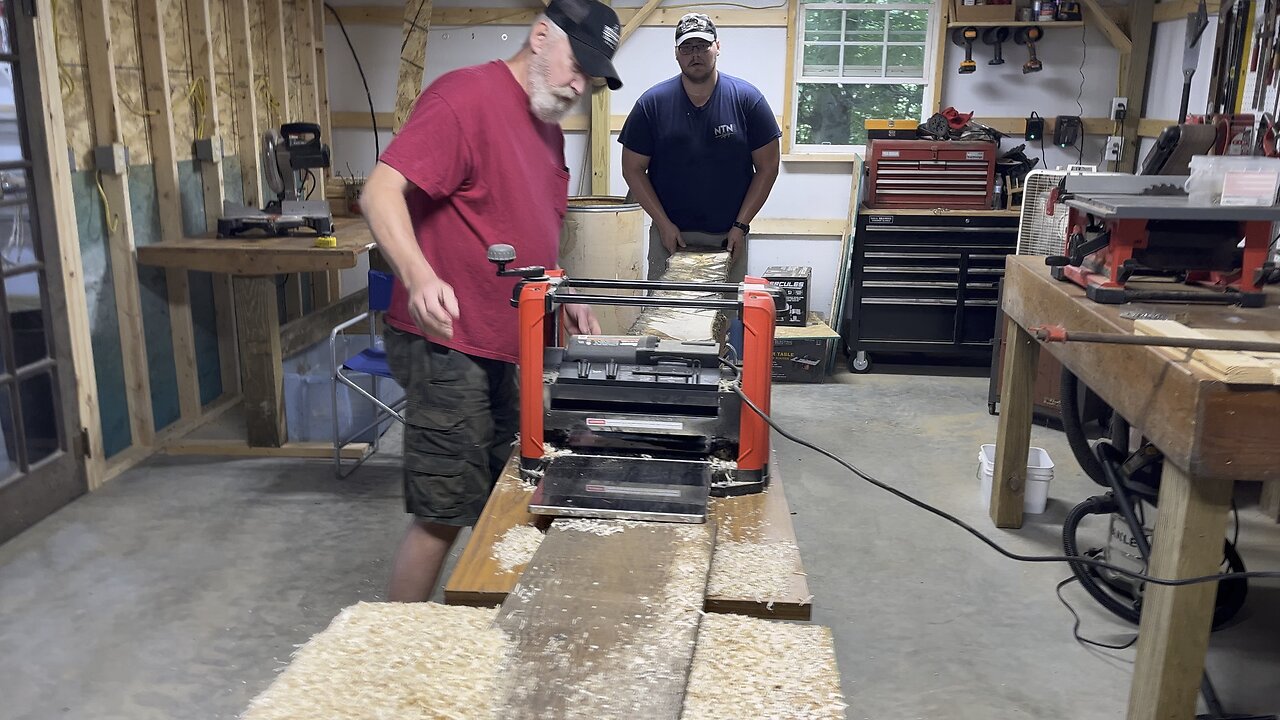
(695, 25)
(594, 33)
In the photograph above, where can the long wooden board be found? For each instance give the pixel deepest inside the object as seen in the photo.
(765, 518)
(1228, 366)
(605, 621)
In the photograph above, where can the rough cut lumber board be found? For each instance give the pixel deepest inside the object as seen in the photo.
(605, 620)
(478, 580)
(303, 450)
(1228, 366)
(306, 331)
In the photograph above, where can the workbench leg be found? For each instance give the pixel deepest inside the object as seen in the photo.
(1173, 636)
(1271, 499)
(1013, 440)
(262, 383)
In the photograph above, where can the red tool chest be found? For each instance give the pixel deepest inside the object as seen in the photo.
(930, 174)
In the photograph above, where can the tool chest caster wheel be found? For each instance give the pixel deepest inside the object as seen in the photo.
(860, 363)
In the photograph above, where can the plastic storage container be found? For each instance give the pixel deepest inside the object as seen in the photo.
(1039, 473)
(308, 401)
(1204, 186)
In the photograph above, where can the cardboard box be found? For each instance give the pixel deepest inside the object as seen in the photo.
(961, 13)
(794, 283)
(802, 360)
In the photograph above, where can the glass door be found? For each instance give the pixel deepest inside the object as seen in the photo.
(41, 468)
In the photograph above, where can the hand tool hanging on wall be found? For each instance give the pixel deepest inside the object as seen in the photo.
(1029, 36)
(996, 36)
(1262, 60)
(1229, 56)
(964, 37)
(1196, 24)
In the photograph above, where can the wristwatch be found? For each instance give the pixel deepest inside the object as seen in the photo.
(745, 228)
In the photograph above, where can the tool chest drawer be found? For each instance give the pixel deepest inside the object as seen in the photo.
(923, 282)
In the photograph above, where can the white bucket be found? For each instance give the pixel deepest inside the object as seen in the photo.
(1039, 473)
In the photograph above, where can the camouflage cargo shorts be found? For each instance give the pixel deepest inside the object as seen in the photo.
(461, 417)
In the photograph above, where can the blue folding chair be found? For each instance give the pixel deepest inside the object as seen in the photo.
(368, 363)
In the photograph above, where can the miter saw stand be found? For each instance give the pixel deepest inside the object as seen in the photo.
(287, 156)
(1128, 228)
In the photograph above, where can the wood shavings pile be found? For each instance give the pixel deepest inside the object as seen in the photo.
(392, 660)
(516, 547)
(750, 668)
(603, 528)
(753, 570)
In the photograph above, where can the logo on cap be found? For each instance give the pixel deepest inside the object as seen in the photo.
(695, 25)
(611, 36)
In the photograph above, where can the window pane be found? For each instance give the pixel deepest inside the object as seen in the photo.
(908, 26)
(863, 26)
(39, 417)
(822, 25)
(821, 61)
(6, 45)
(10, 145)
(26, 318)
(905, 61)
(8, 444)
(828, 114)
(863, 60)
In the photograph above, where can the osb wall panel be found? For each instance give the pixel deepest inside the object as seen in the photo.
(267, 110)
(133, 102)
(184, 94)
(222, 69)
(74, 79)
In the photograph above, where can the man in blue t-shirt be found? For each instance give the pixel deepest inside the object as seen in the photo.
(700, 153)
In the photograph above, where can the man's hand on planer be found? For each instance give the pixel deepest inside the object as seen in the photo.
(433, 306)
(580, 320)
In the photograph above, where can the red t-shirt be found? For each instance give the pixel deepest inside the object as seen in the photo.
(488, 172)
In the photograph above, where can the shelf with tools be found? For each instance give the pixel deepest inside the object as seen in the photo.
(1017, 24)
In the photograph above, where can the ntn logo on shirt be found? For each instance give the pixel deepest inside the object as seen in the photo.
(724, 131)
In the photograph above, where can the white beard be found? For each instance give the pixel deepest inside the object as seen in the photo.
(549, 104)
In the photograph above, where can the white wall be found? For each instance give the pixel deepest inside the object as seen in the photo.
(803, 190)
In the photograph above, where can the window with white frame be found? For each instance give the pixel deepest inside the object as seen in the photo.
(860, 59)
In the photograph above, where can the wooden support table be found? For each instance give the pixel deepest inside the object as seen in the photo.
(1211, 433)
(253, 262)
(765, 517)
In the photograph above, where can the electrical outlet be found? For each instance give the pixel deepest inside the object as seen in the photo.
(1119, 108)
(1114, 149)
(111, 159)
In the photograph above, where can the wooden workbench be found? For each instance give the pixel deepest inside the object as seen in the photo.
(254, 262)
(762, 518)
(1211, 433)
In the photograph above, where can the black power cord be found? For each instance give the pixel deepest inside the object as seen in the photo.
(1075, 630)
(737, 388)
(373, 117)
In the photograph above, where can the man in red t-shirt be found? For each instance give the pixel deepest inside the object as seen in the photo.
(479, 162)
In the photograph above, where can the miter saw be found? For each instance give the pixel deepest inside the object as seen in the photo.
(288, 157)
(639, 427)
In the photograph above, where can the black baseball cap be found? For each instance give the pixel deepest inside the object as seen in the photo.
(695, 25)
(594, 33)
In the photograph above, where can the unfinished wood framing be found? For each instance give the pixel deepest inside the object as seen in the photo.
(306, 331)
(1019, 379)
(200, 29)
(322, 73)
(789, 63)
(257, 321)
(459, 16)
(413, 57)
(600, 137)
(1101, 20)
(242, 63)
(1151, 127)
(278, 110)
(939, 55)
(103, 94)
(70, 264)
(1171, 10)
(168, 200)
(1133, 78)
(846, 246)
(635, 21)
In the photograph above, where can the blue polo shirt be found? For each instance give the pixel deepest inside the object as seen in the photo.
(700, 157)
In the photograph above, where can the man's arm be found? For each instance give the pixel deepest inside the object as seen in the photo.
(635, 170)
(432, 304)
(766, 159)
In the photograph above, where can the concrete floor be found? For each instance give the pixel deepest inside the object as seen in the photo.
(179, 590)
